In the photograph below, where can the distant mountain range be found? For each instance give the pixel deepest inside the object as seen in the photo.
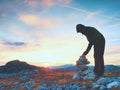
(16, 66)
(110, 68)
(65, 66)
(73, 67)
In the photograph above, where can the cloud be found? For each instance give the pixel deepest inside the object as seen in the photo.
(112, 54)
(112, 50)
(114, 25)
(46, 3)
(31, 3)
(4, 15)
(9, 46)
(55, 2)
(15, 43)
(91, 13)
(35, 21)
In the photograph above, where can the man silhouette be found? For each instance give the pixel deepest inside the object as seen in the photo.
(97, 39)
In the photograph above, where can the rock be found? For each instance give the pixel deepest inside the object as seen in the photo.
(75, 86)
(84, 87)
(113, 84)
(4, 75)
(42, 88)
(52, 88)
(89, 74)
(76, 76)
(82, 60)
(16, 83)
(89, 77)
(83, 67)
(24, 78)
(28, 87)
(102, 87)
(3, 85)
(95, 86)
(104, 81)
(30, 83)
(67, 88)
(59, 88)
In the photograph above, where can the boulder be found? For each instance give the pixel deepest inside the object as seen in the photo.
(24, 78)
(76, 76)
(104, 81)
(102, 87)
(113, 84)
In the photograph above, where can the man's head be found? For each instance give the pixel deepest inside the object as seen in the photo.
(80, 28)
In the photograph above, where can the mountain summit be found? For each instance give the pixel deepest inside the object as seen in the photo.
(16, 66)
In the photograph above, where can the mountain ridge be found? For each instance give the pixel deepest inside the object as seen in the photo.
(15, 66)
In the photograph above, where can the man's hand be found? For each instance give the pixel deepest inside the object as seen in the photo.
(84, 54)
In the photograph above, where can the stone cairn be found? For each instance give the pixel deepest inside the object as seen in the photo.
(83, 71)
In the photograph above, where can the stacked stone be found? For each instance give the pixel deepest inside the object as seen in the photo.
(82, 63)
(83, 72)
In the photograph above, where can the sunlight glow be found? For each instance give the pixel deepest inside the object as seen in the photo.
(43, 32)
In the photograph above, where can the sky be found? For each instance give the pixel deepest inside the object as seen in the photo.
(43, 32)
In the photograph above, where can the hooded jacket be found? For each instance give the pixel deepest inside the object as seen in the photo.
(92, 35)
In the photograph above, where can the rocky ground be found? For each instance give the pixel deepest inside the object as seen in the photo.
(59, 79)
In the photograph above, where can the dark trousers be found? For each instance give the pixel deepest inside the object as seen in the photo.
(99, 56)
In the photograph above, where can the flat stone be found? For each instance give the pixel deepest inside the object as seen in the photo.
(82, 67)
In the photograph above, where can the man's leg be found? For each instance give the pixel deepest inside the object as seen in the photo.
(99, 59)
(101, 67)
(96, 59)
(96, 64)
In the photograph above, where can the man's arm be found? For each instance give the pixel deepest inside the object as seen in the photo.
(88, 49)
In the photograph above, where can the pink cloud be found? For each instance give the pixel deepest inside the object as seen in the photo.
(47, 3)
(31, 3)
(38, 22)
(4, 15)
(92, 15)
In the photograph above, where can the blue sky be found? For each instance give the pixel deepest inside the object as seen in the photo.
(42, 32)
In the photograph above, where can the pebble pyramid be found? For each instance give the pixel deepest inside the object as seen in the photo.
(83, 71)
